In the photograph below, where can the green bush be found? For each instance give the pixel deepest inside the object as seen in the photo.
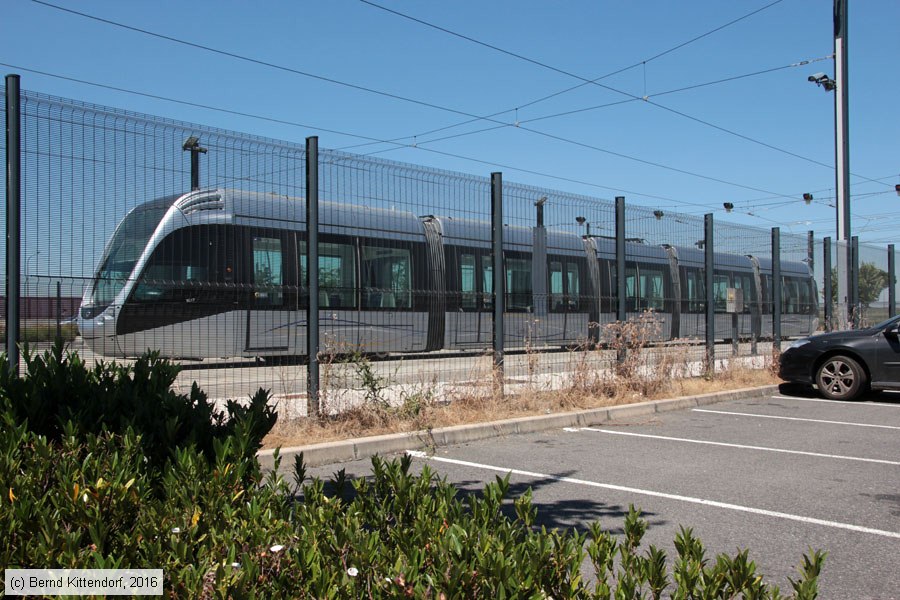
(78, 495)
(61, 395)
(42, 332)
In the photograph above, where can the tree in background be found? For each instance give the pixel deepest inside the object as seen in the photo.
(872, 281)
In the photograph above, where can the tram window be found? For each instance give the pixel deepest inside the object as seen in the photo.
(796, 297)
(608, 286)
(467, 281)
(745, 283)
(644, 288)
(807, 302)
(386, 277)
(631, 289)
(518, 284)
(694, 290)
(573, 281)
(337, 275)
(768, 294)
(267, 271)
(720, 292)
(652, 291)
(556, 286)
(487, 281)
(191, 264)
(565, 286)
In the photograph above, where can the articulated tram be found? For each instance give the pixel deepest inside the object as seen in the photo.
(222, 273)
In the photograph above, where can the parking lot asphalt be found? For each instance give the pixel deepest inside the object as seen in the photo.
(778, 473)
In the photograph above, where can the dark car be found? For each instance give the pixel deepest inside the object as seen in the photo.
(845, 364)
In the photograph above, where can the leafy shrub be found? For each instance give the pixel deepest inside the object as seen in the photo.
(58, 388)
(81, 494)
(43, 332)
(93, 504)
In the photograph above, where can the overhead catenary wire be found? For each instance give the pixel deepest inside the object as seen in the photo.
(387, 94)
(458, 156)
(588, 81)
(571, 88)
(677, 202)
(345, 133)
(518, 122)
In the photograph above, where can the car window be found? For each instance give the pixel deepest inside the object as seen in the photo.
(887, 323)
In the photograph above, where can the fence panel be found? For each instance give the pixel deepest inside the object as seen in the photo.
(120, 255)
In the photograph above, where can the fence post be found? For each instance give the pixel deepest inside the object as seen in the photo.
(58, 311)
(811, 251)
(892, 281)
(853, 300)
(499, 279)
(709, 266)
(621, 308)
(13, 211)
(827, 291)
(312, 275)
(776, 288)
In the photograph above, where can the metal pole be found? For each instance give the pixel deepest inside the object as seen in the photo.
(13, 210)
(621, 293)
(827, 292)
(192, 145)
(709, 266)
(892, 281)
(499, 279)
(312, 275)
(842, 157)
(195, 169)
(776, 288)
(811, 251)
(539, 274)
(58, 311)
(854, 283)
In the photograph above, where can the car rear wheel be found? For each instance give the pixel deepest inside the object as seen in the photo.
(841, 378)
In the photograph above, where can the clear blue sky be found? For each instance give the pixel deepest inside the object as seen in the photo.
(353, 42)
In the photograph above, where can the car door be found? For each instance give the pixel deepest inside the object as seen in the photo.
(888, 358)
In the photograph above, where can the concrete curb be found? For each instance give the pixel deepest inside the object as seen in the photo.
(316, 455)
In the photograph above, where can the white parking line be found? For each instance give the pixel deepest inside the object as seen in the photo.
(630, 490)
(741, 446)
(860, 403)
(741, 414)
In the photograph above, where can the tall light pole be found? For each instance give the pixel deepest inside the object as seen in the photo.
(839, 85)
(842, 161)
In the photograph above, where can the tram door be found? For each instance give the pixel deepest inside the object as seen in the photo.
(268, 318)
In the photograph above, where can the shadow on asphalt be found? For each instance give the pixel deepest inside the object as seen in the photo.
(562, 513)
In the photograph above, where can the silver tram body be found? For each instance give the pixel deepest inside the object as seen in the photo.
(222, 273)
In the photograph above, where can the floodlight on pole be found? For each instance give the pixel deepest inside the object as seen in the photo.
(822, 80)
(728, 206)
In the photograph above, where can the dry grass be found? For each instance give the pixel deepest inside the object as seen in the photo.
(476, 403)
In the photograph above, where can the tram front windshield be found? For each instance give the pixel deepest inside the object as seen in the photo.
(124, 250)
